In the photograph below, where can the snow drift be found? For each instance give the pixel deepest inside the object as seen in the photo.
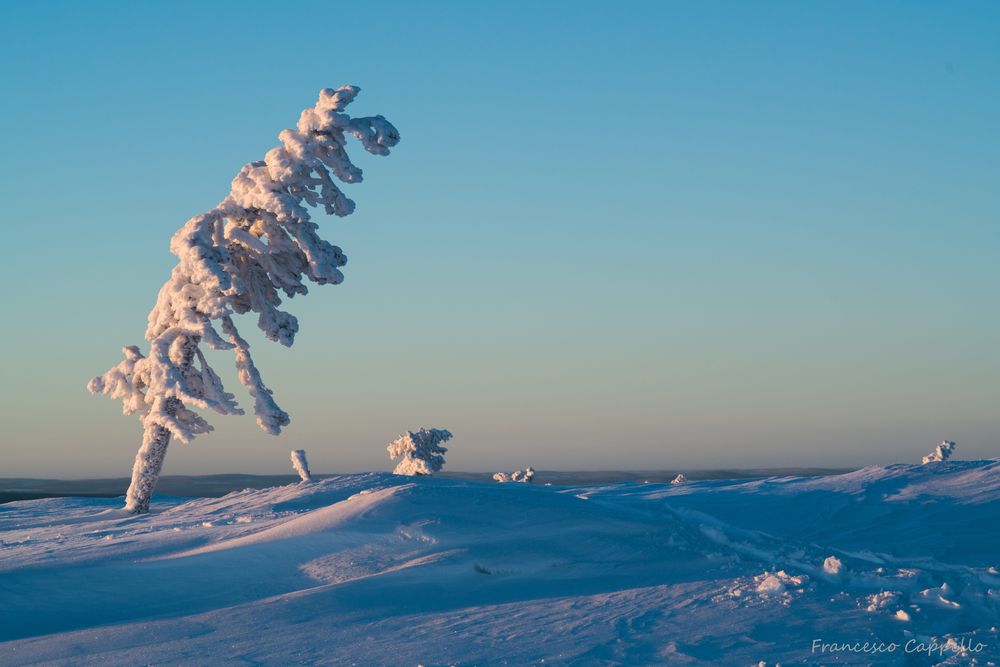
(382, 569)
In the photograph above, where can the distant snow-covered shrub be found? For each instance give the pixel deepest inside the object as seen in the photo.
(680, 479)
(301, 465)
(420, 452)
(527, 475)
(941, 453)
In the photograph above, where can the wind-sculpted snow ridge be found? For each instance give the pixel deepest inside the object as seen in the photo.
(377, 569)
(258, 243)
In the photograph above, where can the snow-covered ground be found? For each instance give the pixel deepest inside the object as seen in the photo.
(378, 569)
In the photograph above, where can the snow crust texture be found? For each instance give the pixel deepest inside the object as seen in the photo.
(378, 569)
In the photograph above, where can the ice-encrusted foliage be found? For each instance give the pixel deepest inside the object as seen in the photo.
(527, 476)
(240, 257)
(420, 452)
(941, 453)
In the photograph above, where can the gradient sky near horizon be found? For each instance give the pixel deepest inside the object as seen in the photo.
(633, 235)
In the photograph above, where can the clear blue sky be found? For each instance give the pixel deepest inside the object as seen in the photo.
(615, 235)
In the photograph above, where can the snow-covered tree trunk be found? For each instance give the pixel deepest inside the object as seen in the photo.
(155, 438)
(147, 467)
(301, 465)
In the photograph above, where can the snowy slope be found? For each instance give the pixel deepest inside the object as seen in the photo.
(380, 569)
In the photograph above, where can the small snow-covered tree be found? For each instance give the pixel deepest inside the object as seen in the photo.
(237, 258)
(301, 465)
(527, 476)
(420, 452)
(941, 453)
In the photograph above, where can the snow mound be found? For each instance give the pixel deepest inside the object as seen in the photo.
(771, 585)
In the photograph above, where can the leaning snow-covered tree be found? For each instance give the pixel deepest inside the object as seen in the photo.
(420, 452)
(236, 258)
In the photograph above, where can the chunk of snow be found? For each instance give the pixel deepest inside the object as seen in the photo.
(879, 601)
(776, 583)
(771, 585)
(901, 616)
(680, 479)
(833, 566)
(939, 597)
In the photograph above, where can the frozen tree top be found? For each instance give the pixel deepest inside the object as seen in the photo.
(941, 453)
(420, 452)
(258, 244)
